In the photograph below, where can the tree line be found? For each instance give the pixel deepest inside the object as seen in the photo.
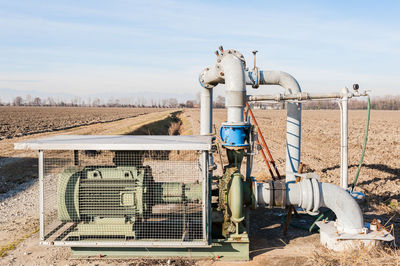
(98, 102)
(110, 102)
(377, 103)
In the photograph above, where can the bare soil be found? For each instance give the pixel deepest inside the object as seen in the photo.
(379, 180)
(20, 121)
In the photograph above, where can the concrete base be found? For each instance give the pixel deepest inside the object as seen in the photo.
(333, 240)
(220, 249)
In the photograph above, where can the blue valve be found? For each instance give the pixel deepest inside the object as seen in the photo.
(234, 135)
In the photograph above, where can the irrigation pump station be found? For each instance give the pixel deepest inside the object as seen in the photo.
(158, 196)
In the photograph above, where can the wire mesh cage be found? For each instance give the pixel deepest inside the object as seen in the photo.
(124, 198)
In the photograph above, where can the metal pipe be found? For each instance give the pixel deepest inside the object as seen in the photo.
(293, 124)
(344, 139)
(311, 195)
(206, 110)
(230, 70)
(235, 88)
(299, 97)
(41, 195)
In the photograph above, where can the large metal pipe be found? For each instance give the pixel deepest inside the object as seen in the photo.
(349, 216)
(293, 122)
(235, 88)
(230, 70)
(311, 195)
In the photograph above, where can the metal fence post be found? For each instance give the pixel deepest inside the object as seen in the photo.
(41, 196)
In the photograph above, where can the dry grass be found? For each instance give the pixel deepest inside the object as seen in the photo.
(376, 256)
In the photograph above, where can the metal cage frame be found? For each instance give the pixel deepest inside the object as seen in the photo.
(75, 143)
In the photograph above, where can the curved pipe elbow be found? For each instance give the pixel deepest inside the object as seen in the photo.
(293, 124)
(311, 195)
(283, 79)
(229, 70)
(349, 216)
(235, 83)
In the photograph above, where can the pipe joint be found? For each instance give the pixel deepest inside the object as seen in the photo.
(310, 194)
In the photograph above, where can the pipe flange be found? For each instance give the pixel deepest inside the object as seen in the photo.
(316, 193)
(255, 78)
(307, 195)
(201, 81)
(232, 52)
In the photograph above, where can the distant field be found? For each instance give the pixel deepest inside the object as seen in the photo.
(20, 121)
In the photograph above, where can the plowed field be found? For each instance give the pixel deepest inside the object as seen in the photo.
(21, 121)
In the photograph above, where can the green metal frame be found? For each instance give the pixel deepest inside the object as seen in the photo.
(223, 249)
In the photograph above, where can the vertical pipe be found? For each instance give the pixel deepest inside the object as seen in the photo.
(206, 101)
(344, 140)
(235, 83)
(293, 122)
(41, 196)
(293, 140)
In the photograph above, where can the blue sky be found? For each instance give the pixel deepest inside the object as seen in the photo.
(93, 47)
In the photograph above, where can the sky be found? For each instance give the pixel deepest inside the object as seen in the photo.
(88, 48)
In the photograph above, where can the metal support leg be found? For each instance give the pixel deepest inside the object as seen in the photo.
(76, 157)
(41, 196)
(344, 139)
(205, 201)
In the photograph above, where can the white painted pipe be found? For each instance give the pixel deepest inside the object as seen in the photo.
(344, 179)
(349, 216)
(301, 96)
(206, 111)
(235, 84)
(230, 70)
(310, 194)
(293, 122)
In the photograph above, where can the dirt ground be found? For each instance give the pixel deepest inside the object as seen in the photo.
(379, 180)
(16, 121)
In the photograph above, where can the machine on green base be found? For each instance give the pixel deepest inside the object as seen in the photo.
(112, 202)
(115, 203)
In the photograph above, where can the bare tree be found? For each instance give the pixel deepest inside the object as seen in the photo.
(96, 102)
(18, 101)
(28, 100)
(37, 101)
(219, 102)
(189, 104)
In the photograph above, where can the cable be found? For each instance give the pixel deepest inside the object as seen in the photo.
(364, 145)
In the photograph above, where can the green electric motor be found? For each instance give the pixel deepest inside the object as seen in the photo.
(128, 192)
